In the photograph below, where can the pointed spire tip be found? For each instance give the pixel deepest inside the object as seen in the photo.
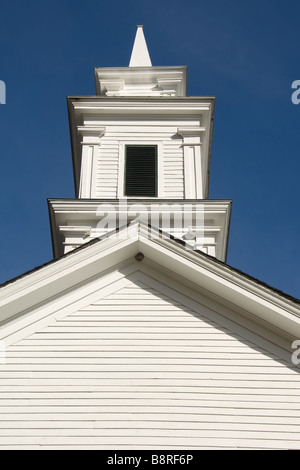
(140, 56)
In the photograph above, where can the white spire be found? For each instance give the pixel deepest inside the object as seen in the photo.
(140, 56)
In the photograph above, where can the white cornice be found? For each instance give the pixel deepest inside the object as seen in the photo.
(153, 103)
(110, 80)
(212, 215)
(91, 205)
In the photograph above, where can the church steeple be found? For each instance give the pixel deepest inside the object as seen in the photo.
(140, 56)
(141, 142)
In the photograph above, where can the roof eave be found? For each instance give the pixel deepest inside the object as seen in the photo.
(204, 273)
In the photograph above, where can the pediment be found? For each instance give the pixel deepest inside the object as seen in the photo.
(143, 312)
(103, 267)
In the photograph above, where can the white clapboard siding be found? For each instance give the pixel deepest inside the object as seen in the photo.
(107, 169)
(139, 370)
(109, 156)
(173, 170)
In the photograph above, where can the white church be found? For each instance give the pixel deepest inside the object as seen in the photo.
(138, 334)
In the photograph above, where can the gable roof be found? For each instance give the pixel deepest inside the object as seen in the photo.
(255, 300)
(161, 233)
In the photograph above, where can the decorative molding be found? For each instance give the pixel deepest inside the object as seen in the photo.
(91, 134)
(191, 131)
(25, 298)
(214, 216)
(134, 81)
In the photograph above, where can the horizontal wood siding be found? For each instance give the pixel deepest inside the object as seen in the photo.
(173, 169)
(108, 168)
(140, 370)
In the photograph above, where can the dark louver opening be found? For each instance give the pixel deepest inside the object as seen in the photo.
(141, 171)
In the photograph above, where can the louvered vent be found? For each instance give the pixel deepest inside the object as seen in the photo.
(141, 170)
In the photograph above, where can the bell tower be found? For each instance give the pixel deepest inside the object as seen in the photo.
(141, 151)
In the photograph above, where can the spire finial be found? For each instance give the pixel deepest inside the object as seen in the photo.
(140, 56)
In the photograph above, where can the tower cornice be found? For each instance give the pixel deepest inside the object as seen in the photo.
(141, 81)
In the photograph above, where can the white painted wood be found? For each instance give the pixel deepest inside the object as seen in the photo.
(110, 167)
(144, 117)
(86, 171)
(140, 56)
(136, 81)
(194, 177)
(180, 352)
(112, 374)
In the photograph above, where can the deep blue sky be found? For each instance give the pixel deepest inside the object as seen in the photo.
(246, 53)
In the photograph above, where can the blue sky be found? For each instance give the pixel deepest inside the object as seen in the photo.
(246, 54)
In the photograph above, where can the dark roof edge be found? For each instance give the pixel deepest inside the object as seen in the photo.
(238, 271)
